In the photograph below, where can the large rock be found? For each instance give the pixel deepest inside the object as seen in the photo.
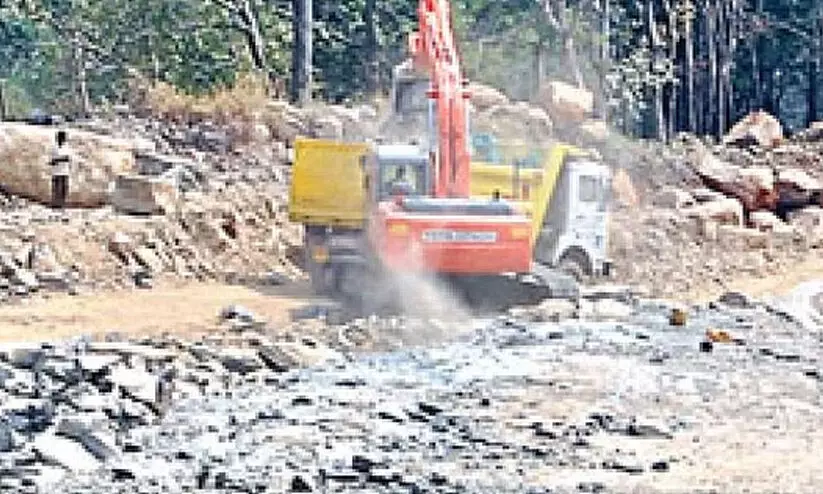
(752, 187)
(623, 189)
(516, 121)
(137, 194)
(673, 198)
(726, 211)
(25, 152)
(757, 128)
(808, 218)
(484, 97)
(566, 103)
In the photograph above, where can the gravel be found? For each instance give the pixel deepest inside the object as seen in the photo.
(623, 403)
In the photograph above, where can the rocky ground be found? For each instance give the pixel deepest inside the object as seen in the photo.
(669, 233)
(171, 389)
(605, 397)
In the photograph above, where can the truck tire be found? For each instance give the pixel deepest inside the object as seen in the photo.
(574, 267)
(323, 279)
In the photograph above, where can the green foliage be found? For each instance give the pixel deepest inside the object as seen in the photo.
(199, 45)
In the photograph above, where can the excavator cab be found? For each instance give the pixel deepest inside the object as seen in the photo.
(395, 170)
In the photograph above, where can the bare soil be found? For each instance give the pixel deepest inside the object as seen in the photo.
(184, 309)
(756, 286)
(192, 308)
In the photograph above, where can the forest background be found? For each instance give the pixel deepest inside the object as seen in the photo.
(656, 67)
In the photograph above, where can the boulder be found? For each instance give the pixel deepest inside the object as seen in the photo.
(565, 103)
(25, 152)
(727, 211)
(516, 121)
(673, 198)
(808, 218)
(328, 127)
(798, 179)
(137, 194)
(595, 129)
(761, 176)
(757, 128)
(484, 97)
(750, 187)
(623, 189)
(765, 221)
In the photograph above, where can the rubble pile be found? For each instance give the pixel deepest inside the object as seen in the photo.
(208, 238)
(243, 410)
(750, 207)
(78, 406)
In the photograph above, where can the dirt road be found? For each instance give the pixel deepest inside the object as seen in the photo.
(193, 308)
(754, 286)
(178, 309)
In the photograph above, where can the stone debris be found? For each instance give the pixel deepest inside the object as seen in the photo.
(757, 128)
(214, 200)
(571, 401)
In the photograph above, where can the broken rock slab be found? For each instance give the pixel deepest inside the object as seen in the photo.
(726, 211)
(565, 102)
(757, 128)
(810, 217)
(65, 452)
(673, 198)
(100, 446)
(765, 221)
(135, 194)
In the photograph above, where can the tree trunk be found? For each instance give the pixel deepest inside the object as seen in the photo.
(691, 117)
(302, 56)
(605, 57)
(814, 70)
(372, 67)
(757, 66)
(702, 92)
(538, 69)
(734, 23)
(659, 121)
(671, 115)
(83, 82)
(721, 40)
(257, 46)
(712, 78)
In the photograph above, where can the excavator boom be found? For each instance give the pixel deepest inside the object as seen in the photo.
(434, 52)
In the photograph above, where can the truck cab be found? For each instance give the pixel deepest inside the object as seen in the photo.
(574, 232)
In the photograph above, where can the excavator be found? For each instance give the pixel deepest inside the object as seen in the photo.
(372, 209)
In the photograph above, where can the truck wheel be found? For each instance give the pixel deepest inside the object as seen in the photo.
(573, 268)
(322, 279)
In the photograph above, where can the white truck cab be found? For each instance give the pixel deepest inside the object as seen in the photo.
(574, 234)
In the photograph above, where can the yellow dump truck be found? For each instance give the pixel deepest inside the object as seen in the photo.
(566, 197)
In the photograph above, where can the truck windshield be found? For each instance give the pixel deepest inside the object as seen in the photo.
(594, 189)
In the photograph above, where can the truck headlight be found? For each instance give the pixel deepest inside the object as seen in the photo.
(519, 233)
(320, 254)
(399, 229)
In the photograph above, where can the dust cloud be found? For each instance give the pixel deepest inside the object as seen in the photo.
(431, 308)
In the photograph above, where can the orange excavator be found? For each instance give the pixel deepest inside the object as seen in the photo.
(387, 209)
(435, 226)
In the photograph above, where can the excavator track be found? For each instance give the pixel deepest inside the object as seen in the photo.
(366, 294)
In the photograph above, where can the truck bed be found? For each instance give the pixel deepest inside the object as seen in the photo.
(327, 183)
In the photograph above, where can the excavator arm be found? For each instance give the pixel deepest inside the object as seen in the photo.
(434, 52)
